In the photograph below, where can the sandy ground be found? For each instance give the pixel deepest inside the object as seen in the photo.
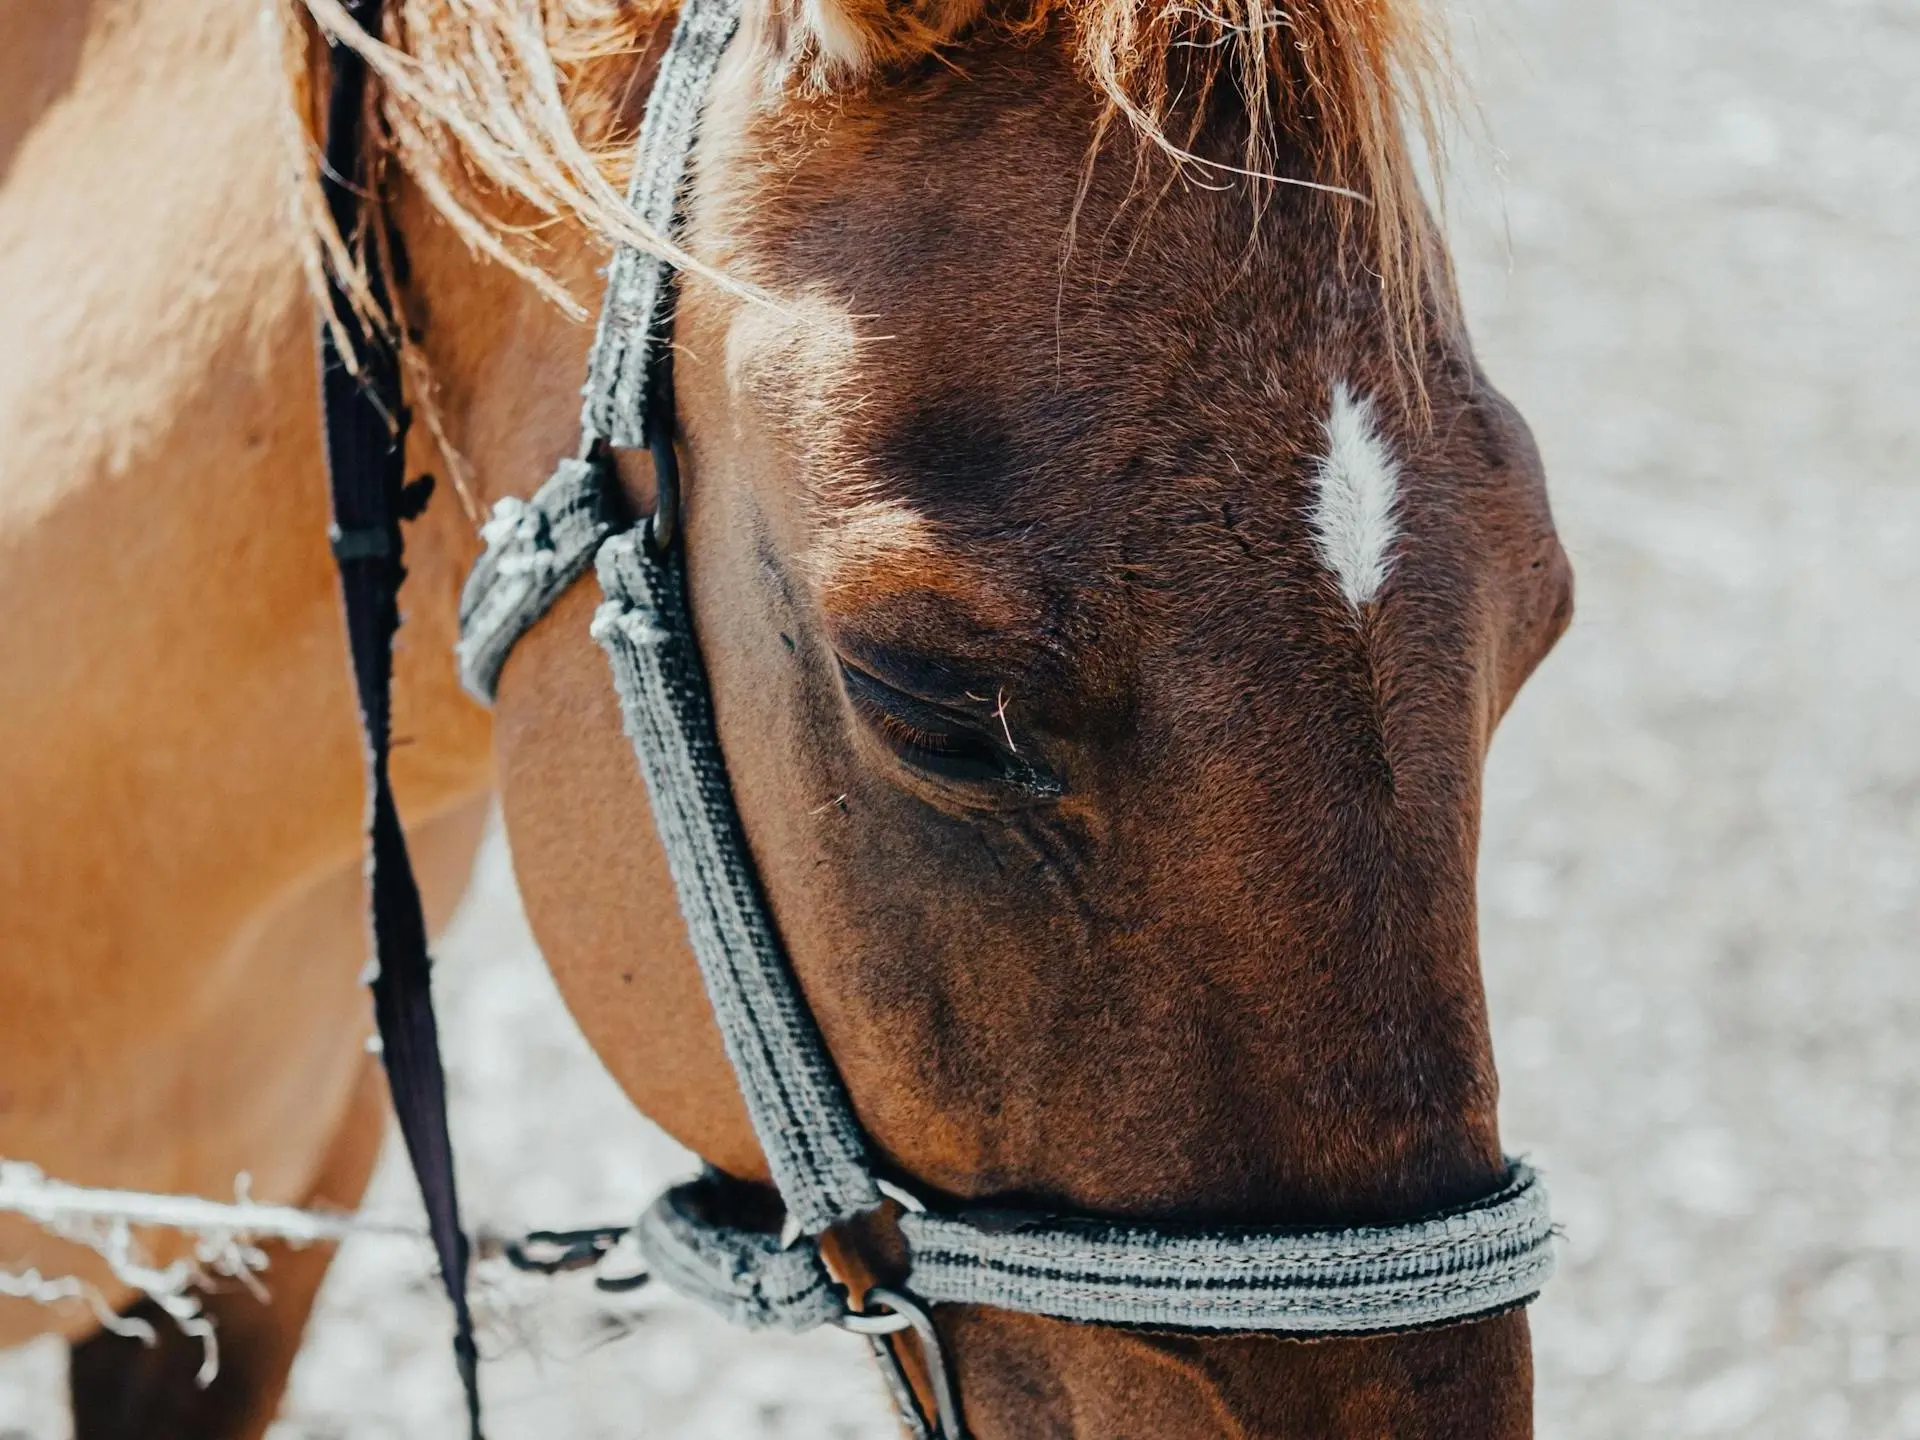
(1688, 244)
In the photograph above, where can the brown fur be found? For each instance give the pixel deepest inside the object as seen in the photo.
(181, 923)
(1229, 973)
(1034, 439)
(537, 103)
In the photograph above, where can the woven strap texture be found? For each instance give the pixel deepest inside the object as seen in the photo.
(637, 282)
(535, 549)
(746, 1276)
(1482, 1259)
(800, 1113)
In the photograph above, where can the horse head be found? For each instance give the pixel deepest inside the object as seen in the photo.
(1110, 566)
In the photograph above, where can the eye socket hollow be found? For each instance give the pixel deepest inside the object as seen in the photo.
(930, 737)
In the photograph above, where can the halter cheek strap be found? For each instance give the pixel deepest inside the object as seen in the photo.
(1479, 1260)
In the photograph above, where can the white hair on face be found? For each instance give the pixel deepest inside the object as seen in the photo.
(842, 43)
(1358, 481)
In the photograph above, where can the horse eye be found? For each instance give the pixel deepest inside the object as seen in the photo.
(939, 741)
(924, 735)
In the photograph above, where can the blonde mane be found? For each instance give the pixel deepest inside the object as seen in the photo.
(511, 115)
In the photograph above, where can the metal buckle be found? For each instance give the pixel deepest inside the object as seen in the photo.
(551, 1252)
(888, 1312)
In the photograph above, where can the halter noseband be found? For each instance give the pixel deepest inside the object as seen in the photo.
(1464, 1264)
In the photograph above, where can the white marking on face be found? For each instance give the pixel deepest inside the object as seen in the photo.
(1358, 481)
(842, 42)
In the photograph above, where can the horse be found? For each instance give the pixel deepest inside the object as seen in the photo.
(179, 879)
(1111, 566)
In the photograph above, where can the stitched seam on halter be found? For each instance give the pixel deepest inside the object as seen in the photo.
(535, 549)
(745, 1275)
(1476, 1261)
(813, 1145)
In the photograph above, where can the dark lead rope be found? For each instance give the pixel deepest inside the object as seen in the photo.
(365, 422)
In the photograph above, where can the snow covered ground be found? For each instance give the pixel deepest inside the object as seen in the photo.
(1691, 248)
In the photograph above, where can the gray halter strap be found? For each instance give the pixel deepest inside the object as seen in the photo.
(1478, 1260)
(806, 1128)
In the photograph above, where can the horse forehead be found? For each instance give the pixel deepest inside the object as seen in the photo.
(895, 492)
(792, 357)
(920, 479)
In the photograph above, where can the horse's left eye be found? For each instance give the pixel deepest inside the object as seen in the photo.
(940, 741)
(926, 736)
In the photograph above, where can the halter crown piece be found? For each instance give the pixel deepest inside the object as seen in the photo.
(1478, 1260)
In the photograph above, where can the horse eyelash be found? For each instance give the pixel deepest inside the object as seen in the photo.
(904, 734)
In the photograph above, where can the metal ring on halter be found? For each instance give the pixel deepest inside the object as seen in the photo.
(901, 1196)
(790, 1232)
(664, 523)
(549, 1252)
(888, 1312)
(874, 1322)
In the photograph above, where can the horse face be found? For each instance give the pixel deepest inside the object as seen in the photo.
(1106, 629)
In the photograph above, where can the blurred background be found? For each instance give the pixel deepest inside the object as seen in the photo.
(1690, 242)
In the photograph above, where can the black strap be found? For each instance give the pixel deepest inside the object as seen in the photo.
(365, 420)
